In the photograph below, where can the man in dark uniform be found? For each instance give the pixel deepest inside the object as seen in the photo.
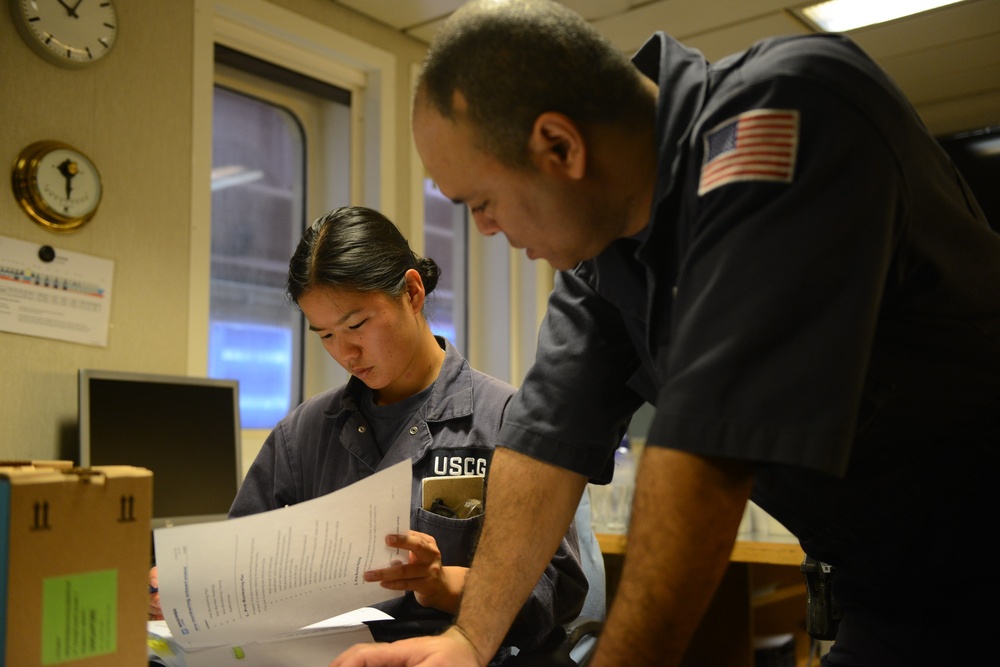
(774, 252)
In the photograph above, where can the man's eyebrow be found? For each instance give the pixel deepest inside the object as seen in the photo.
(457, 199)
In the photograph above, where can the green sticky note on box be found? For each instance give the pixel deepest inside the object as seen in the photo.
(79, 616)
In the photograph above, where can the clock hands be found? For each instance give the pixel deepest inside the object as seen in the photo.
(71, 11)
(55, 184)
(69, 169)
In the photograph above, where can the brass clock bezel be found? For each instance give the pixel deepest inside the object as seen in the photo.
(24, 180)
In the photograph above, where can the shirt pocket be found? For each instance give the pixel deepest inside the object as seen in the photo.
(455, 537)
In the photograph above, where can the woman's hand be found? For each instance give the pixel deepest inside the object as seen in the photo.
(433, 584)
(155, 612)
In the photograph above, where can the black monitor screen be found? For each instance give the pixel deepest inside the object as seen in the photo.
(977, 155)
(185, 429)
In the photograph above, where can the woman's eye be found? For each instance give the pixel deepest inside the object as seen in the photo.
(358, 325)
(478, 209)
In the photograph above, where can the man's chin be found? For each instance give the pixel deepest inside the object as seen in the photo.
(559, 263)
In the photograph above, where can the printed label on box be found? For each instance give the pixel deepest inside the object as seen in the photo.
(79, 616)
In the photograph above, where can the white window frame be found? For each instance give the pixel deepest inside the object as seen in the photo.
(501, 341)
(285, 38)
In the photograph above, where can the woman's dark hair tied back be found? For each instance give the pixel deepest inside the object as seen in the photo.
(355, 248)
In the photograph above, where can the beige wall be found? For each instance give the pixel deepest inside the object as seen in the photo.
(132, 114)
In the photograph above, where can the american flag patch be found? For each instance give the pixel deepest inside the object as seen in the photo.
(758, 145)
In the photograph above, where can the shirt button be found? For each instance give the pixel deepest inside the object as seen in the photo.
(361, 429)
(413, 430)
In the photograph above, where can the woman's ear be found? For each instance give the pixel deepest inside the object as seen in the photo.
(557, 146)
(415, 290)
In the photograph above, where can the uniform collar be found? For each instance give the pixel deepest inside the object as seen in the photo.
(681, 73)
(451, 396)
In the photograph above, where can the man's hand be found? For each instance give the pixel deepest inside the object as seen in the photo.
(449, 649)
(433, 584)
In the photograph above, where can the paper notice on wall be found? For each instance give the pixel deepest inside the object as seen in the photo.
(49, 292)
(245, 579)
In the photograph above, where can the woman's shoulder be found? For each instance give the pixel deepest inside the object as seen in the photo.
(323, 403)
(485, 384)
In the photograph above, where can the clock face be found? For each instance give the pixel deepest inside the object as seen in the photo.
(72, 33)
(68, 183)
(58, 186)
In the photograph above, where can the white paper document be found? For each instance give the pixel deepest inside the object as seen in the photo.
(259, 576)
(312, 646)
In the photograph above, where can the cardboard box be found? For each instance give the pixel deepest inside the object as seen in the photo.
(75, 552)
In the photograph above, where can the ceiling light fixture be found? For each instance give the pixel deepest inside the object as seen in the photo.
(844, 15)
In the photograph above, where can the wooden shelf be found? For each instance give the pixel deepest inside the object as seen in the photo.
(779, 550)
(611, 543)
(761, 593)
(773, 549)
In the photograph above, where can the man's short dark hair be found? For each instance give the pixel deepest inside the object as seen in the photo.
(515, 59)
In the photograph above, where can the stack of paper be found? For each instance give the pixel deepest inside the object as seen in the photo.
(312, 646)
(248, 589)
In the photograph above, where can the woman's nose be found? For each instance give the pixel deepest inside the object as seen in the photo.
(343, 350)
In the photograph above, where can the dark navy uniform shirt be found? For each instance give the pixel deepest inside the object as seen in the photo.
(817, 293)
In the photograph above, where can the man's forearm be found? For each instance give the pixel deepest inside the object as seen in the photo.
(685, 517)
(529, 506)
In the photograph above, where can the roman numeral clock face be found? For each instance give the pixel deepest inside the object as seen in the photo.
(69, 33)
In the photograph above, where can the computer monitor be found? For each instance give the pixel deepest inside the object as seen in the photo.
(185, 429)
(977, 155)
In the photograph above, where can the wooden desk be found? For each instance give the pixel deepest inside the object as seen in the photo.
(762, 593)
(776, 550)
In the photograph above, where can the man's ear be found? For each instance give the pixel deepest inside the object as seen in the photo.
(556, 145)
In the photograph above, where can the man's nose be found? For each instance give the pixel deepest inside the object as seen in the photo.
(486, 225)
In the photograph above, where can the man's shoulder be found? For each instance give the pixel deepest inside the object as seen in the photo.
(828, 58)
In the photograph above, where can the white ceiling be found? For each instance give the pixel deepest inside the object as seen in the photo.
(947, 60)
